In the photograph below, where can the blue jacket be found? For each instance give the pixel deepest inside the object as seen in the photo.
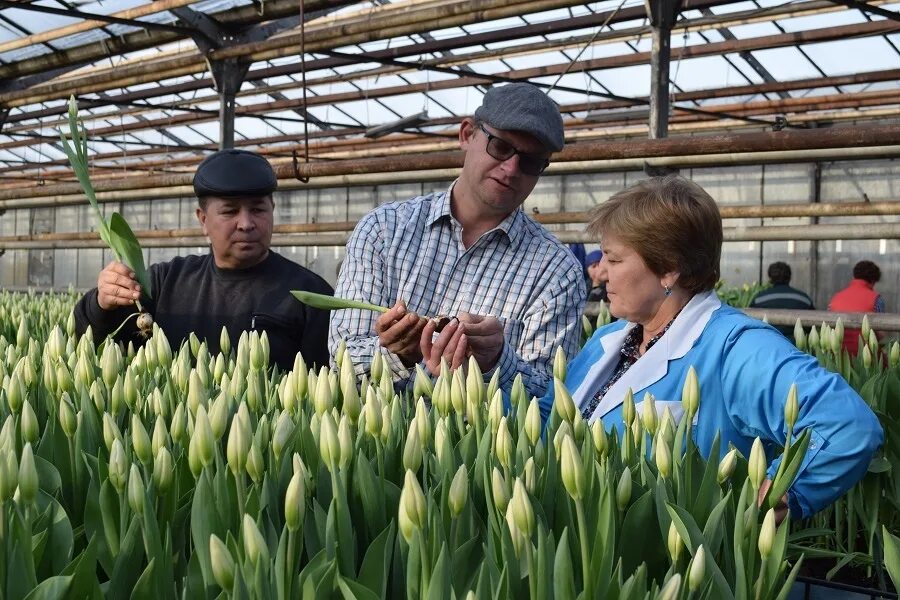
(745, 369)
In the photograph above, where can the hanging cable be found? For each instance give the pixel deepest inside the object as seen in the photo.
(303, 179)
(586, 46)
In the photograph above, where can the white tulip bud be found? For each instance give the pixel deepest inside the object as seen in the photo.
(220, 557)
(756, 467)
(412, 513)
(572, 469)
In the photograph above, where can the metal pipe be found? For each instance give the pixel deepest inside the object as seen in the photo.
(708, 49)
(762, 211)
(843, 138)
(53, 34)
(394, 21)
(771, 233)
(558, 218)
(808, 318)
(435, 46)
(156, 190)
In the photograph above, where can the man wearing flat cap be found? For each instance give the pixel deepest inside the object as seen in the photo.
(472, 253)
(241, 284)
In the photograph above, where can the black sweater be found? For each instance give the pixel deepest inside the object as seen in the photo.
(191, 294)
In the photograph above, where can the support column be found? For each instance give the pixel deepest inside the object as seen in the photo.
(662, 15)
(228, 74)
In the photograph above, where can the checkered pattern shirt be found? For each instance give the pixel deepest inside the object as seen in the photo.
(517, 272)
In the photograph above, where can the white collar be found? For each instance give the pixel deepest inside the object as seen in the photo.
(654, 364)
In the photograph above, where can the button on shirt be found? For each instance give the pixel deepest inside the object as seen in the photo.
(517, 272)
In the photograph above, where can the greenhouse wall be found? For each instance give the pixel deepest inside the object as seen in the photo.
(821, 268)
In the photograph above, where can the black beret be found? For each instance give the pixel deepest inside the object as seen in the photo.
(230, 173)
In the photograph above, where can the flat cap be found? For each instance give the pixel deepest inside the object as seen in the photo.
(230, 173)
(523, 107)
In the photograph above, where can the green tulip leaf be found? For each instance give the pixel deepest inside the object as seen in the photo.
(352, 590)
(123, 241)
(53, 588)
(128, 563)
(376, 564)
(891, 555)
(692, 538)
(116, 233)
(144, 588)
(439, 586)
(563, 576)
(59, 541)
(788, 469)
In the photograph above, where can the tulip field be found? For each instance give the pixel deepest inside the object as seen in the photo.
(173, 473)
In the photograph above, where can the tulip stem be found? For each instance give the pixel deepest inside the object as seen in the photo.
(460, 425)
(585, 553)
(239, 488)
(532, 581)
(761, 581)
(379, 455)
(75, 493)
(123, 514)
(290, 562)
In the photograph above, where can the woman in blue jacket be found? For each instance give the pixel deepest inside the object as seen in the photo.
(662, 240)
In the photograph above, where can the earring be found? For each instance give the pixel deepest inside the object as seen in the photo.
(668, 291)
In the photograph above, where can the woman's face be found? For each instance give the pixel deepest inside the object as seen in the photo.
(635, 292)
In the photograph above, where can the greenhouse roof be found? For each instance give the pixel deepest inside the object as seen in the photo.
(142, 72)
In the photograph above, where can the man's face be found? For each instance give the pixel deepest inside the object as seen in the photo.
(595, 273)
(239, 229)
(497, 186)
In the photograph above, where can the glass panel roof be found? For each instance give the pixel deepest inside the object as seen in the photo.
(152, 108)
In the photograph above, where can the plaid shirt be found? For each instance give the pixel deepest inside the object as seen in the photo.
(517, 272)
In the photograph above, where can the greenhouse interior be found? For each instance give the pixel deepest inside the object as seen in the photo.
(450, 299)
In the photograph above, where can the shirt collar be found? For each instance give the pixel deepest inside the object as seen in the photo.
(513, 226)
(440, 207)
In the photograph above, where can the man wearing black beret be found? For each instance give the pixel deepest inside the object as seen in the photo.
(470, 252)
(240, 285)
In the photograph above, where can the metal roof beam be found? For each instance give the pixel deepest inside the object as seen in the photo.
(141, 40)
(71, 12)
(746, 55)
(438, 46)
(873, 10)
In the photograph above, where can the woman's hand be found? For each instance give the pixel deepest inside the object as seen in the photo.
(781, 509)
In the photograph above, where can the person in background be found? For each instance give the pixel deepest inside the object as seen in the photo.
(662, 242)
(241, 284)
(782, 295)
(596, 283)
(469, 252)
(858, 296)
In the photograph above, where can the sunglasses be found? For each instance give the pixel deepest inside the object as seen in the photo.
(500, 149)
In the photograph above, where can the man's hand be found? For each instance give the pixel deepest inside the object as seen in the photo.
(451, 345)
(117, 287)
(399, 331)
(485, 339)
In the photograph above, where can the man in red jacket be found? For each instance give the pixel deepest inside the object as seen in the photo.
(859, 296)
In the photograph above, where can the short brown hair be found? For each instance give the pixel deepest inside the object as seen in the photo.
(672, 223)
